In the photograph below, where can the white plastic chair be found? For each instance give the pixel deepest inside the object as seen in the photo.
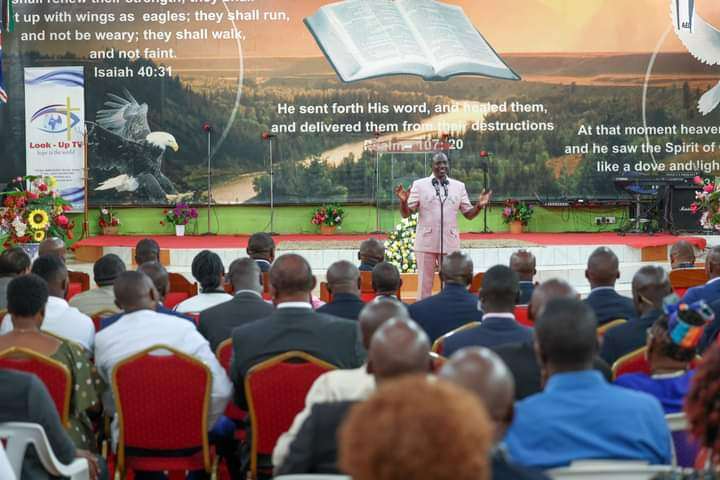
(20, 435)
(6, 470)
(604, 469)
(677, 422)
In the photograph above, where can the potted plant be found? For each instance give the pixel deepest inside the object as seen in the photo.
(108, 221)
(517, 214)
(707, 203)
(328, 216)
(34, 211)
(180, 215)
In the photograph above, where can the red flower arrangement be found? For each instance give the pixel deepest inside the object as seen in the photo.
(329, 214)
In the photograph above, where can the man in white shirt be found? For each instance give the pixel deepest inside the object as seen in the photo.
(339, 385)
(142, 327)
(60, 318)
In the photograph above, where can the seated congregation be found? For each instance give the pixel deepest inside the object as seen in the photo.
(254, 375)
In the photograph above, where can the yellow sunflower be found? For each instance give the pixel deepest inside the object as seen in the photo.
(39, 235)
(38, 219)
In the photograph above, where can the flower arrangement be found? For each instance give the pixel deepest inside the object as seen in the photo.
(707, 201)
(329, 214)
(517, 211)
(34, 213)
(400, 248)
(108, 218)
(180, 214)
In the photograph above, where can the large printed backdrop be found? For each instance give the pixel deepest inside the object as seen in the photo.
(586, 62)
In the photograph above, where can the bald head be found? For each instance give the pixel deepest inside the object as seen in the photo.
(399, 347)
(372, 251)
(159, 277)
(343, 277)
(377, 312)
(291, 278)
(650, 285)
(546, 291)
(522, 262)
(244, 274)
(712, 262)
(682, 254)
(52, 246)
(135, 291)
(481, 371)
(602, 268)
(457, 268)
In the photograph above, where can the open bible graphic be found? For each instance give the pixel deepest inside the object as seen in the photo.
(372, 38)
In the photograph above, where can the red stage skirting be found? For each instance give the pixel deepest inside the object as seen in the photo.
(544, 239)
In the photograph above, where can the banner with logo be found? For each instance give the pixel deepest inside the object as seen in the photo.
(54, 127)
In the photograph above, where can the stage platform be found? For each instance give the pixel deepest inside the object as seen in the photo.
(559, 255)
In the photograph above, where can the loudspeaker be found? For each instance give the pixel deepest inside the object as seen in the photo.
(678, 214)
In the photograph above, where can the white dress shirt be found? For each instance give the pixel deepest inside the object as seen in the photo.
(201, 301)
(332, 386)
(64, 321)
(139, 330)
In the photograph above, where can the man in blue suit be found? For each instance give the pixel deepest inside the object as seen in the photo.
(454, 306)
(710, 292)
(344, 285)
(523, 263)
(498, 297)
(602, 272)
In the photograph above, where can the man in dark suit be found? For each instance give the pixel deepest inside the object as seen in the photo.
(498, 297)
(293, 326)
(710, 292)
(372, 252)
(521, 358)
(650, 286)
(522, 262)
(602, 272)
(344, 285)
(261, 248)
(217, 323)
(386, 280)
(483, 373)
(23, 398)
(399, 347)
(682, 255)
(454, 306)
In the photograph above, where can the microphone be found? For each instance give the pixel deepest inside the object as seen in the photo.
(435, 183)
(207, 128)
(445, 182)
(267, 135)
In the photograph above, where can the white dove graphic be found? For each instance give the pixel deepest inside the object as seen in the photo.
(702, 41)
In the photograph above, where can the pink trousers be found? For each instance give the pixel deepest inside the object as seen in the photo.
(427, 265)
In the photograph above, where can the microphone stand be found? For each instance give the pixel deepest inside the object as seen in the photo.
(485, 168)
(208, 130)
(272, 192)
(442, 224)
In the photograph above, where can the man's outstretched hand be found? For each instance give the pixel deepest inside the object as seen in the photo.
(402, 194)
(484, 198)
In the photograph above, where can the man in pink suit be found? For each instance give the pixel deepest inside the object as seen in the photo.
(427, 196)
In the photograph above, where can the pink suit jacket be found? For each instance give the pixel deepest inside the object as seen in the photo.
(423, 199)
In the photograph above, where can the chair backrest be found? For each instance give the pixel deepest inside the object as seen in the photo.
(54, 375)
(325, 295)
(476, 283)
(437, 361)
(437, 345)
(78, 283)
(162, 398)
(633, 362)
(601, 330)
(98, 317)
(687, 277)
(275, 390)
(410, 285)
(605, 469)
(224, 355)
(521, 315)
(266, 285)
(180, 289)
(367, 293)
(19, 435)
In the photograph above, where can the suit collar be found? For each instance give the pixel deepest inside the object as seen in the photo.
(345, 297)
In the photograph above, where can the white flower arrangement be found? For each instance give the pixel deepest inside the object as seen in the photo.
(399, 247)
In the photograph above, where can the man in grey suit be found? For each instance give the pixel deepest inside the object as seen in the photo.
(216, 323)
(293, 326)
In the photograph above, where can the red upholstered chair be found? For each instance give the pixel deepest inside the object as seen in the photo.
(180, 289)
(266, 286)
(98, 316)
(521, 315)
(162, 398)
(224, 354)
(602, 330)
(325, 294)
(366, 291)
(437, 346)
(476, 284)
(53, 374)
(437, 361)
(275, 390)
(79, 282)
(633, 362)
(683, 278)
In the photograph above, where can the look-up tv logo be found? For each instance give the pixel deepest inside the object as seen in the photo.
(56, 118)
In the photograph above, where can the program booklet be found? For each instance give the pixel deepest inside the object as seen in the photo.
(372, 38)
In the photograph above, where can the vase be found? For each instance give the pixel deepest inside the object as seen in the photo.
(327, 229)
(179, 230)
(31, 249)
(113, 230)
(516, 227)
